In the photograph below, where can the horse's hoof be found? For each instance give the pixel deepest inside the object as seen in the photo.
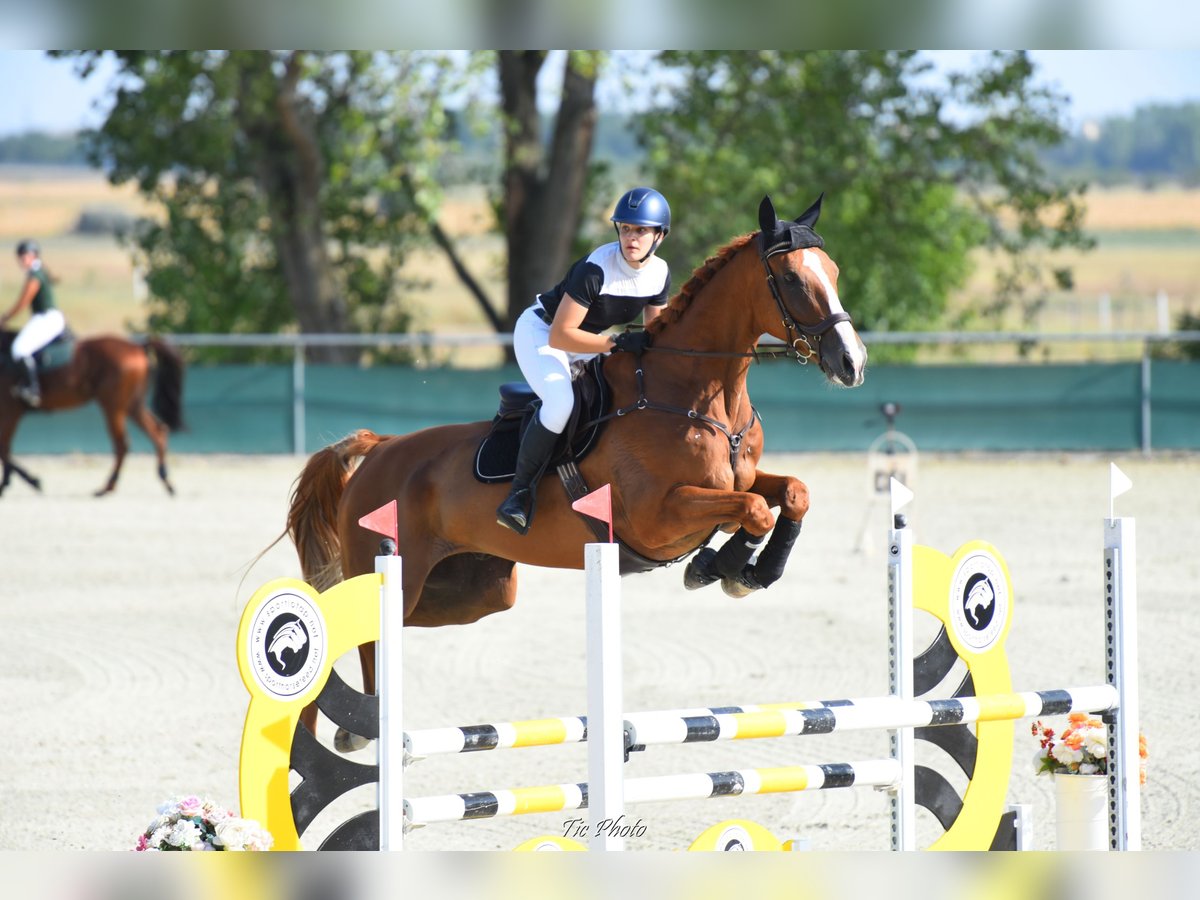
(347, 741)
(699, 571)
(743, 585)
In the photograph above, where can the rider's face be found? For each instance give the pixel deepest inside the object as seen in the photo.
(636, 240)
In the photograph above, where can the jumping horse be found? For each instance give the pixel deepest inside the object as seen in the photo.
(114, 372)
(680, 453)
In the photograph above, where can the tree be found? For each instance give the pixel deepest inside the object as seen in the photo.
(916, 175)
(293, 184)
(544, 183)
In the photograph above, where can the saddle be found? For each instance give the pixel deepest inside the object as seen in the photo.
(496, 458)
(54, 355)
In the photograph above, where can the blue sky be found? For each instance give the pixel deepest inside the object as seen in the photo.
(43, 93)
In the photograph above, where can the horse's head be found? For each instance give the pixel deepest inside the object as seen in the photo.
(803, 282)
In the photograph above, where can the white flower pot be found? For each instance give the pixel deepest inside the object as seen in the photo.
(1082, 811)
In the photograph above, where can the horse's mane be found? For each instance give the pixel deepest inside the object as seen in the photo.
(700, 277)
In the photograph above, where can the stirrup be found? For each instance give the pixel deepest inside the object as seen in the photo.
(519, 519)
(27, 396)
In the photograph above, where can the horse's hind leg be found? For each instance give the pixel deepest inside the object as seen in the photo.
(117, 432)
(157, 432)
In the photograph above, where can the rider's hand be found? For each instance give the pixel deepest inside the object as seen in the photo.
(631, 341)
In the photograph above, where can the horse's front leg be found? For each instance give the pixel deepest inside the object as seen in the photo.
(709, 508)
(791, 496)
(731, 564)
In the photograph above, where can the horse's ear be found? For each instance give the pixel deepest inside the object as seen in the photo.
(810, 215)
(766, 215)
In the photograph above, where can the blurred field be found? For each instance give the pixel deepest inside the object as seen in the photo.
(1149, 241)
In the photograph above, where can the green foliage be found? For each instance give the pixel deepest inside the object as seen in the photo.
(294, 184)
(42, 148)
(1157, 143)
(916, 174)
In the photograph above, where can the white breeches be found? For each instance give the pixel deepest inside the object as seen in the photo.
(547, 370)
(40, 330)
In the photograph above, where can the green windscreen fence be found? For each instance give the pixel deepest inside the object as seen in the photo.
(251, 409)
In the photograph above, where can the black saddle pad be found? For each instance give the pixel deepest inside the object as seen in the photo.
(496, 458)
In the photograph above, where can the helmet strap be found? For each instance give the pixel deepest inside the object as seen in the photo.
(653, 247)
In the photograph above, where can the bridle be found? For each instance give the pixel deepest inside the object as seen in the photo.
(798, 333)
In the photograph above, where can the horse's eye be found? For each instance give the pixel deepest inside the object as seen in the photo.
(790, 277)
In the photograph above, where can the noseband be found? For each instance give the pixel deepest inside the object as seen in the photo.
(798, 333)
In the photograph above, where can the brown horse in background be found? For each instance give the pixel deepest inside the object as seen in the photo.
(682, 461)
(114, 372)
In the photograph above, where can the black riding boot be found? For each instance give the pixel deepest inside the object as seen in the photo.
(28, 389)
(516, 512)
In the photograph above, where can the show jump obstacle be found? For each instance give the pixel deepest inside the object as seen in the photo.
(290, 636)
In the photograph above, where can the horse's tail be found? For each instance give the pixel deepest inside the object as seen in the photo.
(167, 402)
(312, 515)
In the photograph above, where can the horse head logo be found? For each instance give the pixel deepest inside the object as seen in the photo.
(291, 636)
(979, 601)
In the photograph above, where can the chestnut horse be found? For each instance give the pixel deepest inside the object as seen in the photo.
(114, 372)
(682, 460)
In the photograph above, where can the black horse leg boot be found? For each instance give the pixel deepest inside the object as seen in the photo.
(516, 512)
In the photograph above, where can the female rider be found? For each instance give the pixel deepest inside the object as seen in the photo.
(44, 325)
(610, 286)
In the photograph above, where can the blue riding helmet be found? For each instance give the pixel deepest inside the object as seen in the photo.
(28, 246)
(643, 206)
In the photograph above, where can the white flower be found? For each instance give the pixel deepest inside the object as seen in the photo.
(1065, 755)
(1096, 743)
(236, 834)
(1088, 768)
(185, 835)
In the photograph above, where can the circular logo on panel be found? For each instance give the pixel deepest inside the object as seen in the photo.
(978, 600)
(287, 644)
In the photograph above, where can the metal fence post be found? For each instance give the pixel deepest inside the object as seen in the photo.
(298, 423)
(1146, 442)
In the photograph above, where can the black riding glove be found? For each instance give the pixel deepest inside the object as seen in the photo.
(631, 341)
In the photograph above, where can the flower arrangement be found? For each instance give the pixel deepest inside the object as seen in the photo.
(189, 823)
(1081, 749)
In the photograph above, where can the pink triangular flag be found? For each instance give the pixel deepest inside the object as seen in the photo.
(383, 521)
(598, 505)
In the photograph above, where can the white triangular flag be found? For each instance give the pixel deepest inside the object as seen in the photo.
(901, 495)
(1118, 483)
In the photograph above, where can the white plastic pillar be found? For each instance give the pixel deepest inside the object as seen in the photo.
(605, 717)
(389, 668)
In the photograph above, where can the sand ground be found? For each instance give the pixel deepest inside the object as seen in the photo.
(118, 618)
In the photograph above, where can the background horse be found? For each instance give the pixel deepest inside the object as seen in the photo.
(114, 372)
(682, 462)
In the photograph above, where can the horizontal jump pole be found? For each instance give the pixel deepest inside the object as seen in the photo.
(766, 720)
(419, 811)
(547, 732)
(861, 715)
